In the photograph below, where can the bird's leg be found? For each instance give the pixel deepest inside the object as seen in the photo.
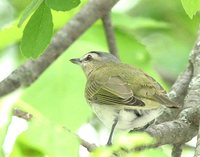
(112, 131)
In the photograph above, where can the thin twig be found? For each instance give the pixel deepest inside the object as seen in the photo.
(89, 146)
(27, 116)
(110, 37)
(22, 114)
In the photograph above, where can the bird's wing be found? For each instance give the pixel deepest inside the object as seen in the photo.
(113, 91)
(152, 90)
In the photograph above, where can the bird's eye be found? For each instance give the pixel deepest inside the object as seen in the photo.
(88, 58)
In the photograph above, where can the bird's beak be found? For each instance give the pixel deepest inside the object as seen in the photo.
(76, 60)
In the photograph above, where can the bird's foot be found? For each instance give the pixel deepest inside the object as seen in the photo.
(109, 143)
(142, 128)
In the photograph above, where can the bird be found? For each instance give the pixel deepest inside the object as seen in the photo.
(122, 96)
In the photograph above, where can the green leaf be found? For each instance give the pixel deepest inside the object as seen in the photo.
(29, 9)
(162, 48)
(129, 46)
(132, 51)
(134, 140)
(62, 5)
(148, 153)
(125, 144)
(191, 7)
(45, 138)
(125, 21)
(102, 152)
(23, 150)
(10, 34)
(37, 33)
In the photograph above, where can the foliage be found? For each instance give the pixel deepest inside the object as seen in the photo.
(157, 38)
(126, 145)
(42, 138)
(191, 7)
(29, 9)
(62, 5)
(38, 32)
(39, 29)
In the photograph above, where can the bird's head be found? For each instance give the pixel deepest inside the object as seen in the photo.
(92, 60)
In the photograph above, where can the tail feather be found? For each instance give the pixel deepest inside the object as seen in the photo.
(166, 101)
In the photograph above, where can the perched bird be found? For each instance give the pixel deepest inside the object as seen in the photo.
(122, 96)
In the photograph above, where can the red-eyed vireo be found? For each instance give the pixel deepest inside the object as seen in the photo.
(122, 96)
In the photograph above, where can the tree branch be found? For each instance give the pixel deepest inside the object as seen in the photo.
(26, 74)
(197, 149)
(187, 88)
(27, 116)
(176, 150)
(21, 114)
(177, 94)
(179, 88)
(89, 146)
(172, 132)
(110, 37)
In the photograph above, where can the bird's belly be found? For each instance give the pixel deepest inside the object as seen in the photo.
(127, 119)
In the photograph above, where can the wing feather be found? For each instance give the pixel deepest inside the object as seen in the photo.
(112, 92)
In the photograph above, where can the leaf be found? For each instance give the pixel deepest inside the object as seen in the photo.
(45, 138)
(163, 47)
(29, 9)
(102, 152)
(125, 21)
(12, 34)
(191, 7)
(129, 46)
(129, 142)
(134, 140)
(62, 5)
(37, 33)
(147, 153)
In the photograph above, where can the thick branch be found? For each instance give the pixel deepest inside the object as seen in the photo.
(179, 89)
(177, 94)
(197, 150)
(172, 132)
(187, 88)
(32, 69)
(110, 37)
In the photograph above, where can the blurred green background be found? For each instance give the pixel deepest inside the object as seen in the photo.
(154, 35)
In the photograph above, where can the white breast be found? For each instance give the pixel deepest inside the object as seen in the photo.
(127, 120)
